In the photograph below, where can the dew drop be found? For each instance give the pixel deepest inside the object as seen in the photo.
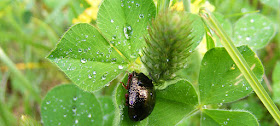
(75, 98)
(113, 60)
(114, 37)
(76, 121)
(137, 4)
(89, 115)
(120, 67)
(112, 21)
(89, 76)
(80, 50)
(127, 31)
(83, 60)
(74, 110)
(141, 16)
(103, 77)
(205, 63)
(252, 20)
(94, 72)
(225, 122)
(248, 38)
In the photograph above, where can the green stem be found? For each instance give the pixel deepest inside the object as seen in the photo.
(162, 5)
(187, 5)
(209, 41)
(5, 59)
(6, 116)
(226, 41)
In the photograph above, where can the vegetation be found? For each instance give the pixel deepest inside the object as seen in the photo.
(212, 62)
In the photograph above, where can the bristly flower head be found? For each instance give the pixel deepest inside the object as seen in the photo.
(168, 45)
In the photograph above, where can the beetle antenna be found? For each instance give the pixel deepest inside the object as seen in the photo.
(151, 77)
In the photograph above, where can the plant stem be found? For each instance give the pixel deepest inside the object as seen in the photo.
(5, 59)
(162, 5)
(187, 5)
(211, 21)
(6, 116)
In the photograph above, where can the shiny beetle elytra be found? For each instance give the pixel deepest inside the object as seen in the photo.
(141, 96)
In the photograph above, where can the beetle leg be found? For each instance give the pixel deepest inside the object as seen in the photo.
(126, 99)
(129, 78)
(125, 86)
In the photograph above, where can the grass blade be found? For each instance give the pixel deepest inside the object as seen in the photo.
(211, 21)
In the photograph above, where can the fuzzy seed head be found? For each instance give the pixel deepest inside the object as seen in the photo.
(168, 45)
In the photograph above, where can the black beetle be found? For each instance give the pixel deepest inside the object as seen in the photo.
(141, 96)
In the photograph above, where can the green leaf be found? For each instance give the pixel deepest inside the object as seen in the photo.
(124, 23)
(272, 3)
(276, 73)
(276, 83)
(254, 30)
(85, 56)
(229, 118)
(68, 105)
(198, 30)
(252, 104)
(172, 104)
(191, 69)
(221, 81)
(108, 110)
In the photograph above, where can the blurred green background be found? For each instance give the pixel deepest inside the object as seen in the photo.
(29, 29)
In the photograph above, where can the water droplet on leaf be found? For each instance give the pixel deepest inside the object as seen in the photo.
(103, 77)
(141, 16)
(83, 60)
(127, 31)
(80, 50)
